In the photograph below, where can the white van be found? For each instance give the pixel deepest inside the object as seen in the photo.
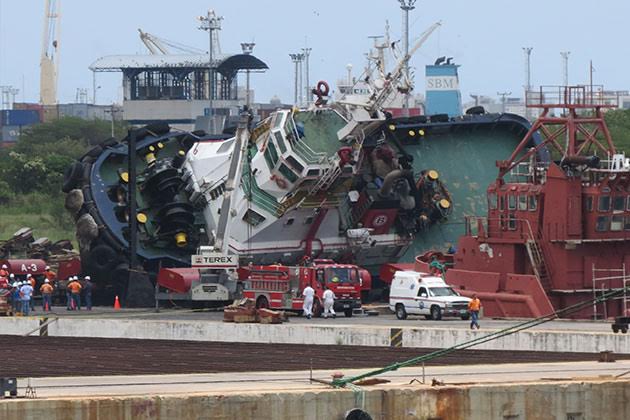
(422, 294)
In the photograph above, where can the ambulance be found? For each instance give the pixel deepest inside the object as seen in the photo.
(413, 293)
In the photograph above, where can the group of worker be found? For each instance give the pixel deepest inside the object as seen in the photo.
(20, 293)
(309, 297)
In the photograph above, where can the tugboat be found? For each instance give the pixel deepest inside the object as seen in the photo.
(557, 231)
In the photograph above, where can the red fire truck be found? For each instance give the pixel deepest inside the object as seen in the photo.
(280, 286)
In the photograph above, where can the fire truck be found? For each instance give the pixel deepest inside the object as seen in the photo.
(281, 286)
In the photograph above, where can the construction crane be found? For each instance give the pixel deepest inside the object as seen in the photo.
(157, 45)
(49, 63)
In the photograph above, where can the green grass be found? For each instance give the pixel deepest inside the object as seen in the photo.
(40, 212)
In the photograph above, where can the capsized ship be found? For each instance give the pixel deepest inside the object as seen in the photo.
(323, 182)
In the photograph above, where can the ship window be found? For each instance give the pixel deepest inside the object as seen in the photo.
(522, 202)
(616, 225)
(589, 203)
(278, 122)
(289, 221)
(273, 152)
(315, 172)
(533, 203)
(253, 218)
(602, 223)
(280, 141)
(626, 225)
(511, 222)
(288, 173)
(295, 164)
(604, 203)
(308, 220)
(501, 203)
(619, 203)
(511, 202)
(492, 201)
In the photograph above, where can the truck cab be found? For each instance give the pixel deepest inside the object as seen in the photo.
(345, 282)
(423, 294)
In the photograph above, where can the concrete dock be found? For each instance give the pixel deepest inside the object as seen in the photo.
(538, 391)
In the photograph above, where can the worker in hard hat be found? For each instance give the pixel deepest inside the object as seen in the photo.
(69, 293)
(16, 301)
(329, 302)
(50, 275)
(75, 290)
(307, 306)
(4, 272)
(87, 291)
(46, 290)
(26, 293)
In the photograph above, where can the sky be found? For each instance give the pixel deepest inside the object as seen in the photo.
(485, 37)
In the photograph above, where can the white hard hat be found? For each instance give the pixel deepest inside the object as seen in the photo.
(87, 278)
(47, 267)
(28, 276)
(11, 276)
(46, 281)
(76, 277)
(4, 266)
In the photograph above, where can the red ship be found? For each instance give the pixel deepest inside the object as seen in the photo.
(557, 230)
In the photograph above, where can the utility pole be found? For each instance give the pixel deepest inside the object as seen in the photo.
(307, 91)
(112, 111)
(528, 77)
(565, 67)
(503, 96)
(248, 48)
(406, 6)
(211, 23)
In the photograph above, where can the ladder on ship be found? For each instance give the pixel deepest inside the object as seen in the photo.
(604, 283)
(539, 265)
(326, 180)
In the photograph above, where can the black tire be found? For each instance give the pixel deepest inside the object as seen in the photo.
(94, 152)
(72, 176)
(615, 328)
(262, 302)
(102, 258)
(465, 317)
(347, 313)
(624, 329)
(401, 313)
(436, 313)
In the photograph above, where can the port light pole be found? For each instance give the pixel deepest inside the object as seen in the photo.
(307, 91)
(297, 59)
(406, 6)
(211, 23)
(248, 48)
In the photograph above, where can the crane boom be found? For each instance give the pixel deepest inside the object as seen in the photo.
(152, 43)
(49, 61)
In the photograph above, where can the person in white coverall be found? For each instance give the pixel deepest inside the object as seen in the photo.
(329, 302)
(309, 294)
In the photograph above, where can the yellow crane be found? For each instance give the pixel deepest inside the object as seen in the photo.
(49, 62)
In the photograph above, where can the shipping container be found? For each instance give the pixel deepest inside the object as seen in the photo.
(11, 133)
(12, 117)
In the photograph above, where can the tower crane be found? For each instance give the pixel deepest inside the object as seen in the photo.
(49, 62)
